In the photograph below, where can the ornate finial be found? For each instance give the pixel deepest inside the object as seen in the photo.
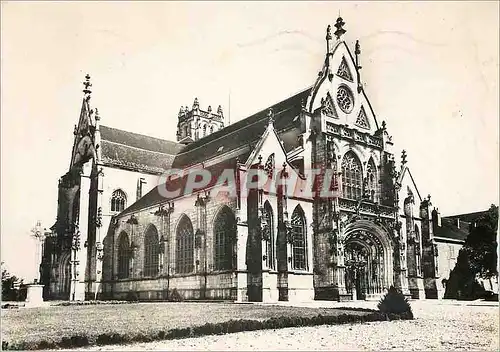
(181, 111)
(339, 25)
(328, 32)
(87, 86)
(357, 48)
(97, 117)
(384, 125)
(209, 109)
(196, 105)
(260, 159)
(270, 116)
(219, 110)
(75, 130)
(403, 157)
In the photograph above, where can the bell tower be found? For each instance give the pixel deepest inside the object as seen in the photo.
(194, 123)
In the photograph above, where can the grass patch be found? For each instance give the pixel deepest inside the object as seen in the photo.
(79, 326)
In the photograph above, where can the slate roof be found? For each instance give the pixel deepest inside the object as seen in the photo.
(136, 151)
(449, 229)
(155, 197)
(244, 133)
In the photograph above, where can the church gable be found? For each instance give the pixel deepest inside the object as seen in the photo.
(408, 192)
(338, 90)
(83, 144)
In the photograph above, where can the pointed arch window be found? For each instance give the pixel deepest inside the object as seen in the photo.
(151, 251)
(269, 236)
(372, 181)
(269, 166)
(123, 256)
(352, 180)
(299, 243)
(224, 236)
(118, 201)
(184, 251)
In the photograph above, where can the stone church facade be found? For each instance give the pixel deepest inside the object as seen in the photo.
(118, 236)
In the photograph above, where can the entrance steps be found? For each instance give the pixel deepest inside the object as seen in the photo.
(374, 297)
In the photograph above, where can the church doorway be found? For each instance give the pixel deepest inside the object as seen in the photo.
(366, 265)
(65, 276)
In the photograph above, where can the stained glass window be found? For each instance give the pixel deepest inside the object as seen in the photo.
(269, 166)
(270, 250)
(224, 236)
(151, 251)
(184, 253)
(299, 248)
(352, 180)
(123, 256)
(118, 200)
(372, 181)
(345, 99)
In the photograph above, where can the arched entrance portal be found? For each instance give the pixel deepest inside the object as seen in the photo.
(368, 261)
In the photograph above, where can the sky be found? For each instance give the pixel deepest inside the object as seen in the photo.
(430, 70)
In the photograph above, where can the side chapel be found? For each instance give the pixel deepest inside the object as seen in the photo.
(116, 237)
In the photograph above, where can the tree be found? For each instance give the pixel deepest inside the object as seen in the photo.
(477, 258)
(481, 244)
(9, 293)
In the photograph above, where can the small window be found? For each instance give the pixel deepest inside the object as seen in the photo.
(118, 201)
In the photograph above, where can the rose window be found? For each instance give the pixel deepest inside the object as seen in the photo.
(345, 99)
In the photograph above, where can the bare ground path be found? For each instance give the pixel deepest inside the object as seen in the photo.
(439, 325)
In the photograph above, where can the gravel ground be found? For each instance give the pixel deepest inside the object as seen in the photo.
(438, 325)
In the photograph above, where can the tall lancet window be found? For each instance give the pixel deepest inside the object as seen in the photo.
(118, 201)
(151, 251)
(269, 236)
(372, 181)
(184, 251)
(269, 166)
(299, 243)
(352, 177)
(123, 256)
(224, 236)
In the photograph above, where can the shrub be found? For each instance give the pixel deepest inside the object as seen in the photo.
(175, 296)
(132, 296)
(394, 302)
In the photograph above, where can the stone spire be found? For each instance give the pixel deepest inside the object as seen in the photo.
(403, 158)
(340, 30)
(357, 51)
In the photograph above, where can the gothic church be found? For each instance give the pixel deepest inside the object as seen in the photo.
(116, 236)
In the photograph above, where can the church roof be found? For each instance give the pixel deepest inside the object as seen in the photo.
(246, 132)
(450, 230)
(155, 197)
(136, 151)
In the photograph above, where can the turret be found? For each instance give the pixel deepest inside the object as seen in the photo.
(197, 123)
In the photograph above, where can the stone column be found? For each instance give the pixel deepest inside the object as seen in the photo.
(79, 255)
(96, 287)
